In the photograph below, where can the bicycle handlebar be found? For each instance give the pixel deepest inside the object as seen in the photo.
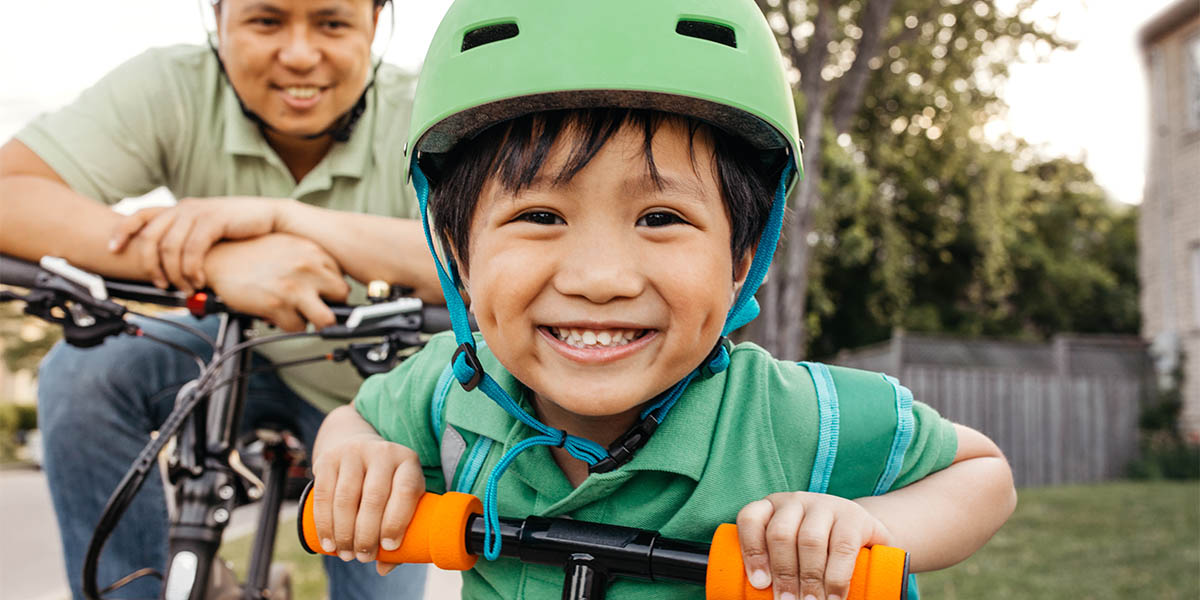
(448, 531)
(21, 273)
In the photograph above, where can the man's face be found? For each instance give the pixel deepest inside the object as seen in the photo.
(602, 292)
(298, 64)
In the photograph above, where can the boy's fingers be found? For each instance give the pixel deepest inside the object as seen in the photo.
(812, 543)
(325, 478)
(781, 547)
(408, 484)
(345, 507)
(383, 568)
(843, 551)
(752, 524)
(376, 487)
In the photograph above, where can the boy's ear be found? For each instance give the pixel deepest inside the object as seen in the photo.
(449, 252)
(740, 271)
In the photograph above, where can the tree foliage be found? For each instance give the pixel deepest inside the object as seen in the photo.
(913, 217)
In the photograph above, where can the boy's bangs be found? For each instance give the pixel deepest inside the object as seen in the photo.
(526, 143)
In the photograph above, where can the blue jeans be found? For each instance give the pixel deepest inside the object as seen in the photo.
(96, 409)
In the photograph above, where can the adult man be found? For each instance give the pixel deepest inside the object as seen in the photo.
(285, 144)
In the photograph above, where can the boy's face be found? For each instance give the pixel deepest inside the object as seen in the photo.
(601, 293)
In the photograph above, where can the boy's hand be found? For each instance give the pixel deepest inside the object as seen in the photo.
(805, 544)
(364, 495)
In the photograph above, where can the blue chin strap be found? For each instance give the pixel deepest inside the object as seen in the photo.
(470, 374)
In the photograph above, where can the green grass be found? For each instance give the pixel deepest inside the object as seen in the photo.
(1085, 542)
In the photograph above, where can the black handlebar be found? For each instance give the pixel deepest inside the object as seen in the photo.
(21, 273)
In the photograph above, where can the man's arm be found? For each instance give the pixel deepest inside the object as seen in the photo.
(40, 215)
(945, 517)
(369, 246)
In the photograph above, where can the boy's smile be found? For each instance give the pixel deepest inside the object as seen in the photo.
(601, 292)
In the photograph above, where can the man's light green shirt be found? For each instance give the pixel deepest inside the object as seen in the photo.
(731, 439)
(169, 117)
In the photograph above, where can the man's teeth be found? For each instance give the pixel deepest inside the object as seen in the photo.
(592, 338)
(301, 92)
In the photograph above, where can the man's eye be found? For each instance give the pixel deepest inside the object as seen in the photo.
(335, 25)
(660, 219)
(541, 217)
(265, 21)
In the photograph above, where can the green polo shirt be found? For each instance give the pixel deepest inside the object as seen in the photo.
(168, 117)
(731, 439)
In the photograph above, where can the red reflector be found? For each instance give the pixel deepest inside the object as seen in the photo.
(196, 302)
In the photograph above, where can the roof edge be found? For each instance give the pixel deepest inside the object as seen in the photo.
(1167, 21)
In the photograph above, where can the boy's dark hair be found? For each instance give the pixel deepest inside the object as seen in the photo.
(514, 152)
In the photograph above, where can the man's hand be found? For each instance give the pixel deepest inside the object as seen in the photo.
(178, 237)
(279, 277)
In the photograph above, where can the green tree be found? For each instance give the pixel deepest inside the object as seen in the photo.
(893, 96)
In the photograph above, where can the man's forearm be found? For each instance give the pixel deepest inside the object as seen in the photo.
(40, 217)
(369, 246)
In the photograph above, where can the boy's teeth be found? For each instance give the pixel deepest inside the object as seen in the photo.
(592, 338)
(301, 92)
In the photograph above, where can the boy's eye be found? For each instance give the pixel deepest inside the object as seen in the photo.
(541, 217)
(660, 219)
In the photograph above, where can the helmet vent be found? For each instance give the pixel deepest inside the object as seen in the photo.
(713, 32)
(488, 34)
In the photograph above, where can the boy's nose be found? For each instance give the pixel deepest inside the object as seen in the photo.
(600, 272)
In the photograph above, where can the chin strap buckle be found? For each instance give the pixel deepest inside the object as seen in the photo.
(471, 361)
(718, 359)
(621, 451)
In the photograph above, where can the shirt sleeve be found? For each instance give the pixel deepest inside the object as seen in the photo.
(398, 403)
(932, 448)
(112, 142)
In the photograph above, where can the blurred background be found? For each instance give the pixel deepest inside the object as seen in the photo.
(1001, 208)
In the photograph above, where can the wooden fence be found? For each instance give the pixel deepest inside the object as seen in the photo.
(1063, 412)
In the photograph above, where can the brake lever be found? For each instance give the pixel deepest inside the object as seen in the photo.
(378, 357)
(86, 320)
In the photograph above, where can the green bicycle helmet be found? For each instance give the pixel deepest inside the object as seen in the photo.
(495, 60)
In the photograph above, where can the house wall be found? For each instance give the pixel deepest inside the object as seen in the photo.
(1169, 236)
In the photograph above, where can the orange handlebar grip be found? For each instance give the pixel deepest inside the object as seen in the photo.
(436, 534)
(878, 571)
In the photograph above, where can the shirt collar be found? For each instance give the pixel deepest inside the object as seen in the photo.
(345, 159)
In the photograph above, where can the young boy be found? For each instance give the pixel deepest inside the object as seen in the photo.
(600, 175)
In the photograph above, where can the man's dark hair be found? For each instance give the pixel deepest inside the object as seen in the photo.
(514, 152)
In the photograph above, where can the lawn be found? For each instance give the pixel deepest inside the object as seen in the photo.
(1085, 542)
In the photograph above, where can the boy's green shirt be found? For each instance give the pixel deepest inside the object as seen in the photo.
(730, 440)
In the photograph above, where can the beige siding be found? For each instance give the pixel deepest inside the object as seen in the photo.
(1170, 213)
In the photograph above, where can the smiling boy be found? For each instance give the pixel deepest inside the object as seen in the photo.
(600, 175)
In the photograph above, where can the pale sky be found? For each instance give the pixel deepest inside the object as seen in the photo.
(1089, 103)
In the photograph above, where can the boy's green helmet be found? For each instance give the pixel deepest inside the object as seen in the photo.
(716, 60)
